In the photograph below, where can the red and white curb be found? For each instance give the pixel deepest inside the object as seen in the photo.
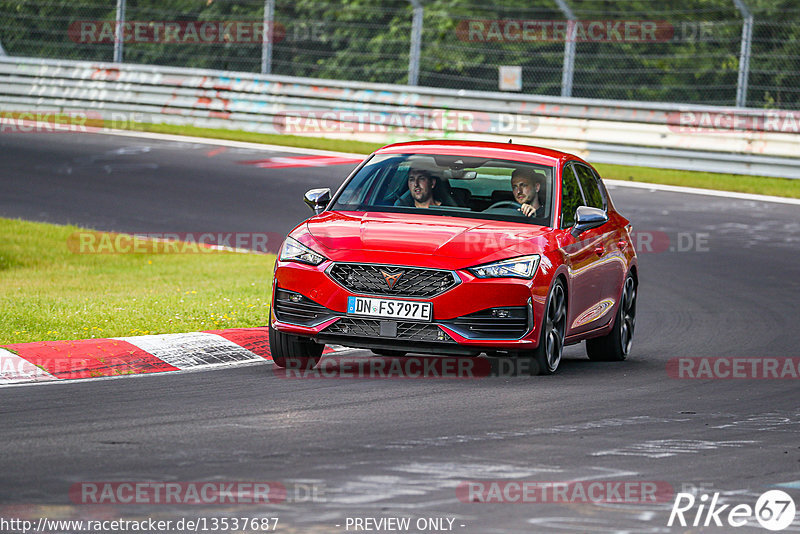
(48, 361)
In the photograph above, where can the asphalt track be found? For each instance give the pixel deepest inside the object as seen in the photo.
(400, 448)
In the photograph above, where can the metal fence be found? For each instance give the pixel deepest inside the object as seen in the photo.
(709, 52)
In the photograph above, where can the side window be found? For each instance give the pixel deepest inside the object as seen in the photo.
(388, 186)
(570, 197)
(590, 187)
(394, 187)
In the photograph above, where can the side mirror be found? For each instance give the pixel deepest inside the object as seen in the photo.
(587, 218)
(317, 199)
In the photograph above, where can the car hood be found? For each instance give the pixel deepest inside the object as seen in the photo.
(351, 236)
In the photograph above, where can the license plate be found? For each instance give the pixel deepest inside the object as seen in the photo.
(394, 309)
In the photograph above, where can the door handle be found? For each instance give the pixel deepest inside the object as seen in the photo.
(623, 245)
(599, 250)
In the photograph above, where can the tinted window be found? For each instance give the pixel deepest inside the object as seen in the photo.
(570, 197)
(589, 186)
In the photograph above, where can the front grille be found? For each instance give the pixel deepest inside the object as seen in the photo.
(371, 328)
(485, 325)
(294, 308)
(370, 279)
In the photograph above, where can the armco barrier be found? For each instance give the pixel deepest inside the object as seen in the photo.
(626, 133)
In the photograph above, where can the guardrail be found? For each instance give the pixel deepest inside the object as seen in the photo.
(690, 137)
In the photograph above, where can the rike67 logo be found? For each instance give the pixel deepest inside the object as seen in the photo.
(774, 510)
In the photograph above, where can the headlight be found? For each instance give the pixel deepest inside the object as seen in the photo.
(293, 250)
(522, 267)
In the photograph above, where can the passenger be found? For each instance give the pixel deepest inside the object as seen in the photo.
(421, 183)
(525, 186)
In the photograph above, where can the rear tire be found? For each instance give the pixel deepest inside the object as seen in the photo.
(616, 345)
(292, 351)
(547, 356)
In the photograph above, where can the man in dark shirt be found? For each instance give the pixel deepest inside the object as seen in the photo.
(525, 186)
(421, 183)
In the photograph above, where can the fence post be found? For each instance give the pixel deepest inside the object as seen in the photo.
(119, 35)
(568, 71)
(416, 43)
(266, 41)
(2, 51)
(744, 53)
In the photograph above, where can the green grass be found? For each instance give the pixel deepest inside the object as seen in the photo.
(48, 292)
(762, 185)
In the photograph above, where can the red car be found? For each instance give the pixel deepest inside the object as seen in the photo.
(459, 248)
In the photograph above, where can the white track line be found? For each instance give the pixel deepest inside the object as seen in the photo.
(202, 369)
(15, 370)
(698, 191)
(27, 381)
(229, 143)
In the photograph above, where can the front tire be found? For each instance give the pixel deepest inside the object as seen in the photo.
(293, 352)
(547, 355)
(616, 345)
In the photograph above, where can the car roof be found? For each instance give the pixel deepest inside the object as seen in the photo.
(510, 151)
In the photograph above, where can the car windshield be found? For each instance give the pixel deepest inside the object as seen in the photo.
(454, 186)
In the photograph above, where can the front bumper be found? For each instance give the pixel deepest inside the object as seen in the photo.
(308, 303)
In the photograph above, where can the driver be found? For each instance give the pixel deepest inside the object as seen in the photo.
(421, 183)
(525, 186)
